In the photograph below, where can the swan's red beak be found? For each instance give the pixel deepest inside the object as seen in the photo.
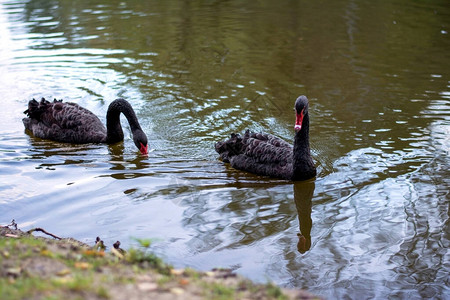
(298, 121)
(144, 149)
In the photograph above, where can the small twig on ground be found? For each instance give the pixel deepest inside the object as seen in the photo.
(44, 231)
(13, 224)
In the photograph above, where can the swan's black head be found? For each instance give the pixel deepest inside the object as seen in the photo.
(301, 110)
(140, 140)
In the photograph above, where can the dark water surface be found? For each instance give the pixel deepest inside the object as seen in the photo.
(375, 222)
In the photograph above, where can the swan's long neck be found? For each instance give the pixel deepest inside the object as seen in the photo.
(113, 127)
(302, 161)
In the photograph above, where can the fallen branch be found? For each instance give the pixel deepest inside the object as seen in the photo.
(44, 231)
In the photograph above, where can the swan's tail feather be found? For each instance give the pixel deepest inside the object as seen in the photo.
(36, 109)
(229, 148)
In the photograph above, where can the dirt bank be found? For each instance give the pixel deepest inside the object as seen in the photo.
(53, 268)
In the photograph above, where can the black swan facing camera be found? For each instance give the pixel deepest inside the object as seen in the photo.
(267, 155)
(68, 122)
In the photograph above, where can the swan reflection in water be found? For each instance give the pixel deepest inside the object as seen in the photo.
(125, 166)
(303, 193)
(52, 154)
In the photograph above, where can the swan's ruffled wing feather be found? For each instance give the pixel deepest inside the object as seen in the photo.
(258, 153)
(267, 148)
(64, 122)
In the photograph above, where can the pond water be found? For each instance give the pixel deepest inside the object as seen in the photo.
(375, 221)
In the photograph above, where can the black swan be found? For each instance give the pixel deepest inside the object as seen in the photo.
(265, 154)
(70, 123)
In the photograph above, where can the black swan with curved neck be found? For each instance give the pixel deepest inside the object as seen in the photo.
(70, 123)
(265, 154)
